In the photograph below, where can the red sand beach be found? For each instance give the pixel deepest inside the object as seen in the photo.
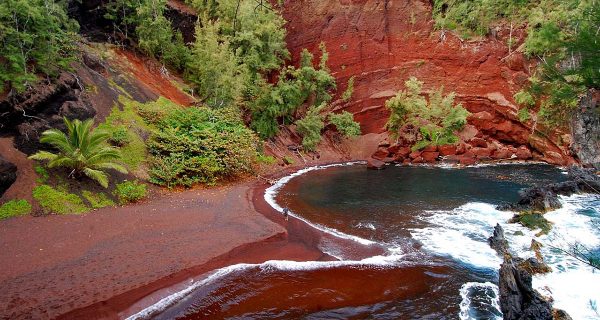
(54, 265)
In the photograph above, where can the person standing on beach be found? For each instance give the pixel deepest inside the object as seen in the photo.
(286, 213)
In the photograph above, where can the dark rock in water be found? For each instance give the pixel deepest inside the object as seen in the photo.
(585, 127)
(545, 198)
(8, 175)
(375, 164)
(534, 266)
(498, 242)
(518, 299)
(561, 315)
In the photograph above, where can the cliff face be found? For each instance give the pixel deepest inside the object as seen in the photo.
(384, 42)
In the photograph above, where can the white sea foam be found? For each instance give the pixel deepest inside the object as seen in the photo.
(491, 300)
(268, 266)
(573, 285)
(462, 233)
(272, 191)
(176, 297)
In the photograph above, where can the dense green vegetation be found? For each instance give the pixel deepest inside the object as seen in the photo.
(310, 127)
(437, 119)
(36, 38)
(14, 208)
(83, 149)
(130, 191)
(278, 104)
(144, 20)
(345, 124)
(561, 34)
(200, 145)
(238, 46)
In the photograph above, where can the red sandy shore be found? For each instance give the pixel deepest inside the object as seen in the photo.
(101, 264)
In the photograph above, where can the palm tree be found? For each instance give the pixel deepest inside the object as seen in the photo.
(84, 150)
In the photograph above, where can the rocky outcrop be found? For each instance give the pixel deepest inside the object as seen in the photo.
(498, 242)
(382, 43)
(43, 107)
(518, 299)
(8, 175)
(544, 198)
(585, 128)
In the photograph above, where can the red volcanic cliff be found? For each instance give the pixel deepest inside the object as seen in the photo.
(384, 42)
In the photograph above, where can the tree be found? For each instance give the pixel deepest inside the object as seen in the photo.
(36, 38)
(437, 119)
(310, 127)
(213, 67)
(82, 149)
(296, 87)
(345, 124)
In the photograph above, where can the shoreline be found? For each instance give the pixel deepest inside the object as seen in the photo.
(70, 262)
(287, 240)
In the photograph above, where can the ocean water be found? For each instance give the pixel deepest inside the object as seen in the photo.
(433, 224)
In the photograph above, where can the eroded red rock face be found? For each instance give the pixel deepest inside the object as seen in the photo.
(384, 42)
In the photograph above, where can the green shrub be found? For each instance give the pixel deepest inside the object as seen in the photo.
(288, 160)
(83, 149)
(97, 200)
(345, 124)
(524, 98)
(524, 115)
(295, 87)
(347, 95)
(120, 136)
(437, 120)
(14, 208)
(58, 202)
(200, 145)
(310, 127)
(130, 191)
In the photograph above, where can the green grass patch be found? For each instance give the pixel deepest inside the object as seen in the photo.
(130, 191)
(42, 174)
(58, 202)
(14, 208)
(261, 158)
(97, 200)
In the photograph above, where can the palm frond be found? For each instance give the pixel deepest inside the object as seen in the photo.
(43, 156)
(97, 175)
(57, 139)
(106, 154)
(62, 161)
(111, 165)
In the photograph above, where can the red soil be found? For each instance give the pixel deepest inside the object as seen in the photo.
(149, 74)
(22, 187)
